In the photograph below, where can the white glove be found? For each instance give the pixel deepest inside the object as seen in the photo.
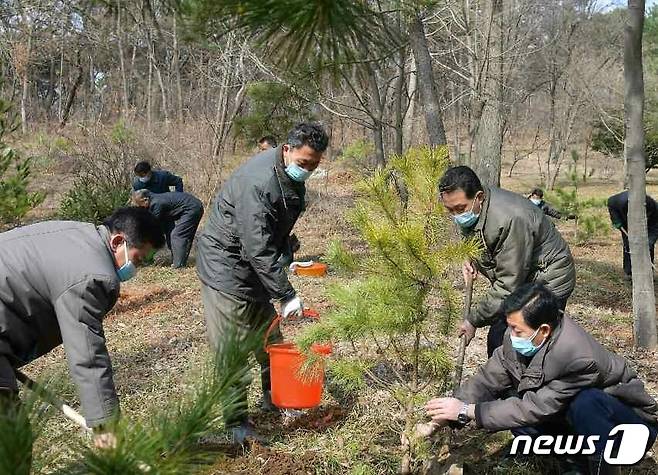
(294, 306)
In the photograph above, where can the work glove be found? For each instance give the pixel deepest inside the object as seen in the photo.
(293, 306)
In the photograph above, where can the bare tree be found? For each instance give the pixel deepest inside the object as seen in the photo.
(644, 302)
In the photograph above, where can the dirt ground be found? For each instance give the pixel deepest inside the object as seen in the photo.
(156, 337)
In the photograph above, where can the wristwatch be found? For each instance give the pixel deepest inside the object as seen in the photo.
(462, 417)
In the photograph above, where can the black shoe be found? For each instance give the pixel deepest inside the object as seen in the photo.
(245, 432)
(267, 405)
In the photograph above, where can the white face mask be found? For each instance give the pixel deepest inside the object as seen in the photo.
(144, 179)
(536, 201)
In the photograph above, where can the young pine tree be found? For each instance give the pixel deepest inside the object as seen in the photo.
(398, 311)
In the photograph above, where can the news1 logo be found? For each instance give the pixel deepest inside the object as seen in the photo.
(630, 441)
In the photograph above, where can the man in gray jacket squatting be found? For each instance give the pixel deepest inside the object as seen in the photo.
(550, 377)
(58, 280)
(239, 251)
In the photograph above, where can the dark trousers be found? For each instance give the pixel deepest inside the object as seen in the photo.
(592, 412)
(16, 444)
(228, 317)
(180, 236)
(497, 329)
(627, 251)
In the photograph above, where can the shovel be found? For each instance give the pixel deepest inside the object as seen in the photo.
(427, 429)
(53, 400)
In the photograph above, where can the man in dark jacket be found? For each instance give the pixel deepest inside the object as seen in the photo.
(564, 382)
(618, 209)
(156, 181)
(58, 280)
(239, 251)
(519, 244)
(536, 197)
(179, 215)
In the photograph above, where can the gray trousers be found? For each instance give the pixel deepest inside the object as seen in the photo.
(180, 235)
(229, 315)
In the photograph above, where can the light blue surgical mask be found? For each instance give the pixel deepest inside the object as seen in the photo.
(467, 219)
(524, 346)
(536, 201)
(297, 173)
(128, 270)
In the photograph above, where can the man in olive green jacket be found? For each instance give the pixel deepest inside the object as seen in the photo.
(519, 243)
(563, 380)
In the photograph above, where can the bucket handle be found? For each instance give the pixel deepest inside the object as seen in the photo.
(307, 312)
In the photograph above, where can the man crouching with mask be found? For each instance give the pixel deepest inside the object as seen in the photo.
(58, 280)
(564, 382)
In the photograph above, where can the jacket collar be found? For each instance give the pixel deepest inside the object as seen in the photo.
(104, 233)
(479, 226)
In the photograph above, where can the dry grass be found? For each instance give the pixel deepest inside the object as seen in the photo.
(156, 337)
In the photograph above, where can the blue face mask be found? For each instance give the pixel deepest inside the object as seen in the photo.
(128, 270)
(297, 173)
(536, 201)
(524, 346)
(468, 218)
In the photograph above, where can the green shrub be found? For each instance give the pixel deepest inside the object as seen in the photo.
(102, 175)
(15, 199)
(358, 155)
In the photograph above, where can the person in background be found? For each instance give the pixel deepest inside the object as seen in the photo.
(618, 210)
(58, 281)
(239, 252)
(519, 245)
(562, 381)
(179, 215)
(267, 142)
(537, 198)
(156, 181)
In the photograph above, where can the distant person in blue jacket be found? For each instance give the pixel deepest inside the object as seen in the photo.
(156, 181)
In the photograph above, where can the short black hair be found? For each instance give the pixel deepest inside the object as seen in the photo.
(142, 167)
(460, 178)
(537, 304)
(269, 139)
(537, 192)
(308, 133)
(139, 226)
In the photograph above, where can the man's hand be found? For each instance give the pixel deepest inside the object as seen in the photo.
(469, 271)
(294, 306)
(467, 329)
(105, 440)
(443, 409)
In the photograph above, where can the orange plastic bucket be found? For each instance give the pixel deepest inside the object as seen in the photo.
(317, 269)
(289, 391)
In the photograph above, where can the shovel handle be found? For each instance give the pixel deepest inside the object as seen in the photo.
(307, 312)
(459, 367)
(53, 400)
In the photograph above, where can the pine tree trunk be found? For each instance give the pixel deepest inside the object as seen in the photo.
(489, 134)
(124, 82)
(408, 128)
(426, 83)
(176, 66)
(644, 305)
